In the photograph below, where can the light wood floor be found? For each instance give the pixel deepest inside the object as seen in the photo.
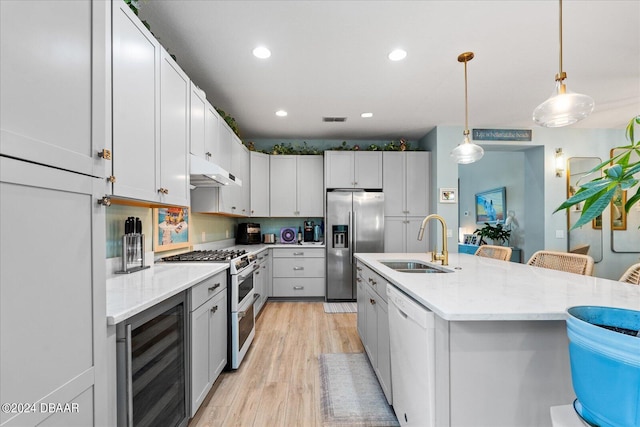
(278, 383)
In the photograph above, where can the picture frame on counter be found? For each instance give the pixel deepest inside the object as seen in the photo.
(448, 195)
(171, 228)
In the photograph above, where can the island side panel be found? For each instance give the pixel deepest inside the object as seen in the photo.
(507, 373)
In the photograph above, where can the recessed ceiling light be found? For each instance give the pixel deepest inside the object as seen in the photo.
(261, 52)
(281, 113)
(366, 115)
(398, 55)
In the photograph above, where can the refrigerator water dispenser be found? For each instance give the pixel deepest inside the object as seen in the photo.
(340, 236)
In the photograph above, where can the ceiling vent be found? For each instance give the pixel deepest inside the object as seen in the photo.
(334, 119)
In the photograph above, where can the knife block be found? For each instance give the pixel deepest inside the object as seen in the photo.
(132, 253)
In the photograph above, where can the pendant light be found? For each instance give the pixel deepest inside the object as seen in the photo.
(563, 108)
(466, 152)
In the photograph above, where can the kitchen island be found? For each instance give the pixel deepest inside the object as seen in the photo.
(501, 347)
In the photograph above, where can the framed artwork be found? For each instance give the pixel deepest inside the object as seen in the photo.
(491, 206)
(448, 195)
(171, 228)
(596, 222)
(470, 239)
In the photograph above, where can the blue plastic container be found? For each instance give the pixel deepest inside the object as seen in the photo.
(605, 365)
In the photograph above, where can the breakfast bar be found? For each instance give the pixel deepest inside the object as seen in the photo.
(500, 355)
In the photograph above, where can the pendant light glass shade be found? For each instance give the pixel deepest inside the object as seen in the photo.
(563, 108)
(466, 152)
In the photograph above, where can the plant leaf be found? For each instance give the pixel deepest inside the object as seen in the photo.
(595, 208)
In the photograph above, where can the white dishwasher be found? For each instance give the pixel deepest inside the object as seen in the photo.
(412, 337)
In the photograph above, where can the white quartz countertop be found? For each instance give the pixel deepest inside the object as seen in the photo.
(130, 294)
(488, 289)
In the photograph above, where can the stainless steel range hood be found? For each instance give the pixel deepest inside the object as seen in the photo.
(207, 174)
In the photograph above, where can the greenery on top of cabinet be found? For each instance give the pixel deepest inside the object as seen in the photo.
(287, 148)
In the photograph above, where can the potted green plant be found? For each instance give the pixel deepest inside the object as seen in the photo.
(498, 234)
(619, 173)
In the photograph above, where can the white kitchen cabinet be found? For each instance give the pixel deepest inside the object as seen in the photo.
(173, 176)
(52, 310)
(262, 280)
(198, 109)
(298, 272)
(232, 199)
(136, 59)
(373, 324)
(208, 336)
(353, 169)
(222, 150)
(401, 234)
(296, 186)
(54, 105)
(259, 184)
(406, 199)
(55, 115)
(406, 183)
(150, 116)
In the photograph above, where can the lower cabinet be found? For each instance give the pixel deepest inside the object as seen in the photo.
(208, 335)
(262, 280)
(298, 272)
(373, 324)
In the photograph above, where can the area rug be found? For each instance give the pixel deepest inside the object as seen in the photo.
(340, 307)
(351, 395)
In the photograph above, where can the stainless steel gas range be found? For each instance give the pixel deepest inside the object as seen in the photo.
(241, 296)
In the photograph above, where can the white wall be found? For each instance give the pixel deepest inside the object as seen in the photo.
(574, 143)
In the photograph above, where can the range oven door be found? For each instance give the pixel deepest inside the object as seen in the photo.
(242, 287)
(242, 331)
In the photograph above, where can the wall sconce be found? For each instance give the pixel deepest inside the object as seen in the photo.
(560, 162)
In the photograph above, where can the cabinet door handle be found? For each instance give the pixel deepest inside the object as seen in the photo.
(370, 280)
(359, 268)
(298, 253)
(358, 279)
(257, 272)
(214, 287)
(298, 268)
(372, 301)
(208, 154)
(298, 288)
(214, 308)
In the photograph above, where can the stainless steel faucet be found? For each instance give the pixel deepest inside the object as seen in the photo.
(435, 256)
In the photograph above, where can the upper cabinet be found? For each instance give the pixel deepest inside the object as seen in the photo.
(198, 106)
(296, 186)
(54, 106)
(353, 169)
(172, 179)
(259, 184)
(406, 183)
(149, 88)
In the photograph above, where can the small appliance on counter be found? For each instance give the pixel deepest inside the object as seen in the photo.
(132, 247)
(248, 233)
(308, 231)
(288, 235)
(269, 238)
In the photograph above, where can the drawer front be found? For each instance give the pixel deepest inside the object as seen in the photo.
(298, 252)
(375, 282)
(290, 287)
(303, 267)
(204, 290)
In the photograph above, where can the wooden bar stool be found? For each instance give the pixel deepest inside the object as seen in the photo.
(563, 261)
(497, 252)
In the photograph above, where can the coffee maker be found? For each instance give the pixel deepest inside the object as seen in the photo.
(308, 231)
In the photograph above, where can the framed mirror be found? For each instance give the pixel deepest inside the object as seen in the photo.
(625, 226)
(588, 238)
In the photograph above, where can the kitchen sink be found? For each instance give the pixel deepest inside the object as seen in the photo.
(413, 267)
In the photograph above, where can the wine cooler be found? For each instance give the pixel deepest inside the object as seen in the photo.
(153, 366)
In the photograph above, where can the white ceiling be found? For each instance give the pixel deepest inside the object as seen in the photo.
(329, 58)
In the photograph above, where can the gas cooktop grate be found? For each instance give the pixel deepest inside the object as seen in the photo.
(219, 255)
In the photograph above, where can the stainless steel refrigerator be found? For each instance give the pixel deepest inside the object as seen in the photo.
(355, 223)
